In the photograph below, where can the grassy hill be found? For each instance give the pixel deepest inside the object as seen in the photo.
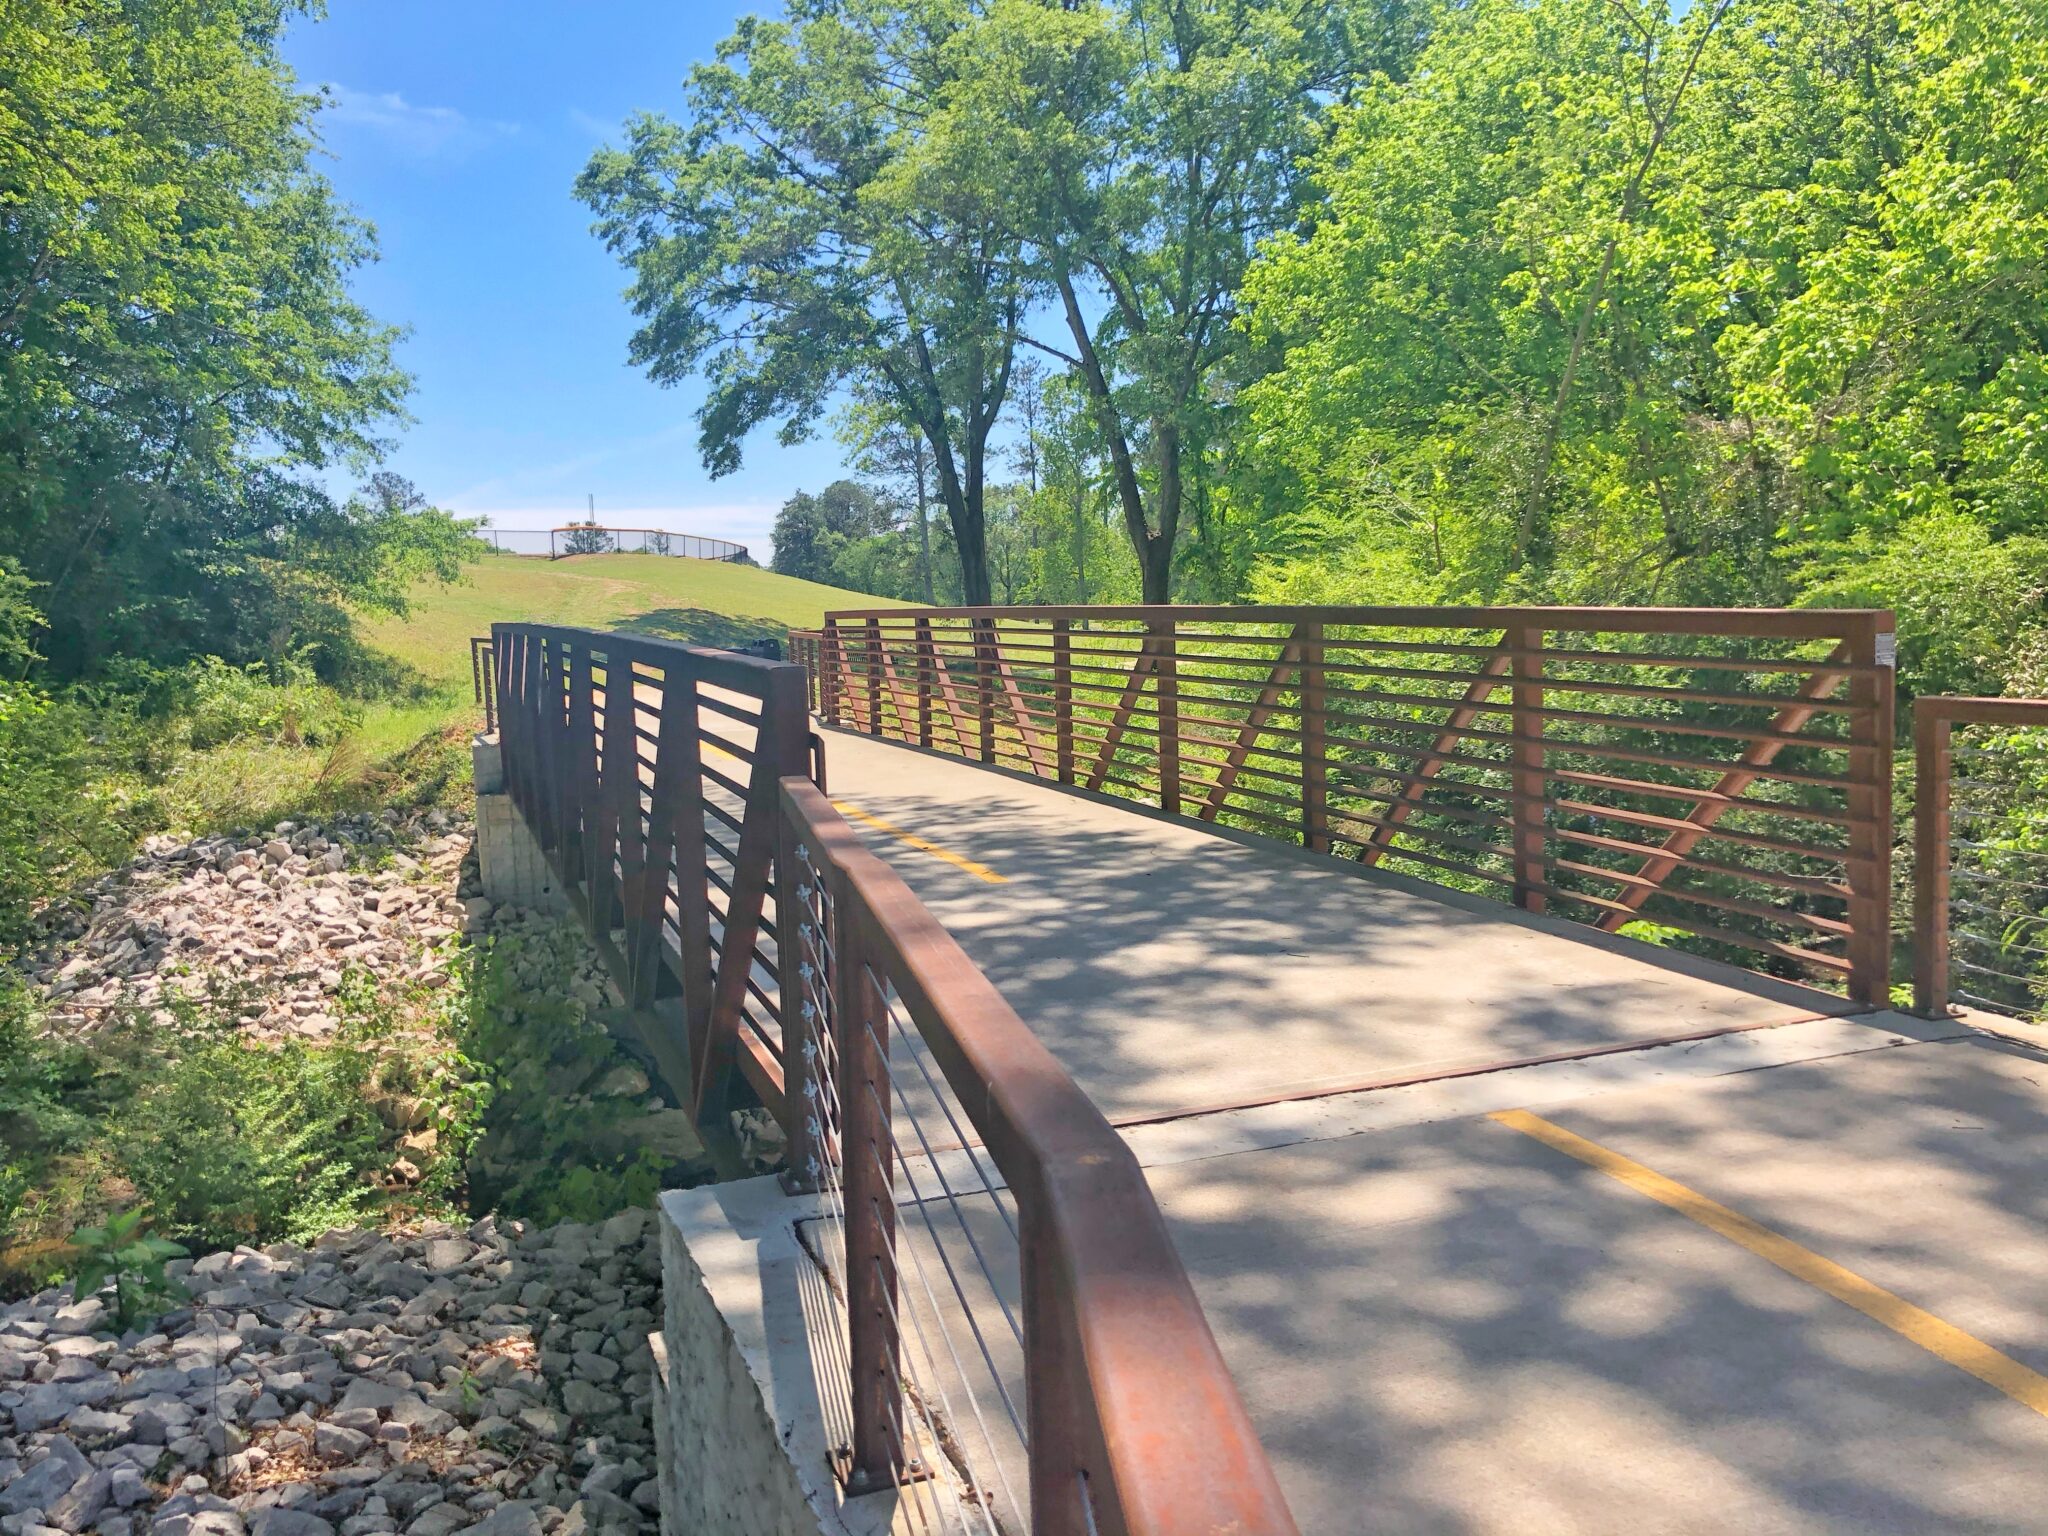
(704, 602)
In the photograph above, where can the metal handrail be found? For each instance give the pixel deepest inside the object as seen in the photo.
(1613, 765)
(1935, 718)
(1136, 1428)
(612, 821)
(1135, 1423)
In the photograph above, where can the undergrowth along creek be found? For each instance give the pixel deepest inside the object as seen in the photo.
(477, 1076)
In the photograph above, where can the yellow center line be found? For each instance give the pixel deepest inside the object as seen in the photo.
(979, 871)
(1950, 1343)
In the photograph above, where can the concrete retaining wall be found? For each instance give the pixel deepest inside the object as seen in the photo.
(742, 1439)
(509, 861)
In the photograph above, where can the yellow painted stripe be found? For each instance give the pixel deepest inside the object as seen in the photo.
(1950, 1343)
(979, 871)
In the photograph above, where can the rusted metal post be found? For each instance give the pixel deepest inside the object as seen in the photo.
(877, 1454)
(1933, 733)
(1872, 656)
(833, 660)
(1166, 692)
(526, 741)
(1058, 1434)
(542, 685)
(984, 632)
(781, 750)
(1526, 640)
(1063, 697)
(1315, 742)
(677, 783)
(680, 741)
(1873, 651)
(617, 804)
(561, 704)
(927, 664)
(873, 650)
(579, 781)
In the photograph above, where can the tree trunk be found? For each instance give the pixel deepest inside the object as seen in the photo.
(1124, 472)
(1155, 555)
(1155, 570)
(971, 538)
(924, 523)
(1080, 540)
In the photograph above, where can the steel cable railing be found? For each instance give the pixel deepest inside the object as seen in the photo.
(1010, 1341)
(1004, 1287)
(1981, 855)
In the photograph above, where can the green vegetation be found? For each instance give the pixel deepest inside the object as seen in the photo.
(128, 1253)
(1612, 305)
(179, 354)
(499, 1090)
(1503, 301)
(565, 1138)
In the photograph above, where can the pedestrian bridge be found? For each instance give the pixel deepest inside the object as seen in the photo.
(1503, 1225)
(1456, 1214)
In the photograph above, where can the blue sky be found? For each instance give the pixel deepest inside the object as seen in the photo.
(457, 129)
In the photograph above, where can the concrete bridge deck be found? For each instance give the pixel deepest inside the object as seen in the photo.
(1484, 1254)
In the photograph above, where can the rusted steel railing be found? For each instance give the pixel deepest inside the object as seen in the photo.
(1012, 1343)
(1719, 779)
(803, 650)
(648, 772)
(1980, 855)
(483, 680)
(928, 1093)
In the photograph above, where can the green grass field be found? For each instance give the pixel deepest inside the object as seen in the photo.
(412, 748)
(704, 602)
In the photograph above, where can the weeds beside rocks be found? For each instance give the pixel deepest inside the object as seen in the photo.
(315, 1052)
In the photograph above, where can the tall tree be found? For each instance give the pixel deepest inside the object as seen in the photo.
(177, 341)
(811, 531)
(779, 246)
(1141, 150)
(1510, 351)
(896, 457)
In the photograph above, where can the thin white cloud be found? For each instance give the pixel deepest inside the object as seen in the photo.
(590, 125)
(428, 132)
(535, 481)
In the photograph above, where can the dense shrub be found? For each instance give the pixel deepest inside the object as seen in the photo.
(252, 1144)
(553, 1147)
(220, 1139)
(69, 805)
(495, 1088)
(220, 703)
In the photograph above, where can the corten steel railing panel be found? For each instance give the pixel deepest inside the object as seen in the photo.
(647, 771)
(1980, 855)
(986, 1227)
(1718, 779)
(483, 679)
(803, 651)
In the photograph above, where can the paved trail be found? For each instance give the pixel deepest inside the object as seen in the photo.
(1783, 1273)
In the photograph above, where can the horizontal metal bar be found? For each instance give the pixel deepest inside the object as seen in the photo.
(1775, 623)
